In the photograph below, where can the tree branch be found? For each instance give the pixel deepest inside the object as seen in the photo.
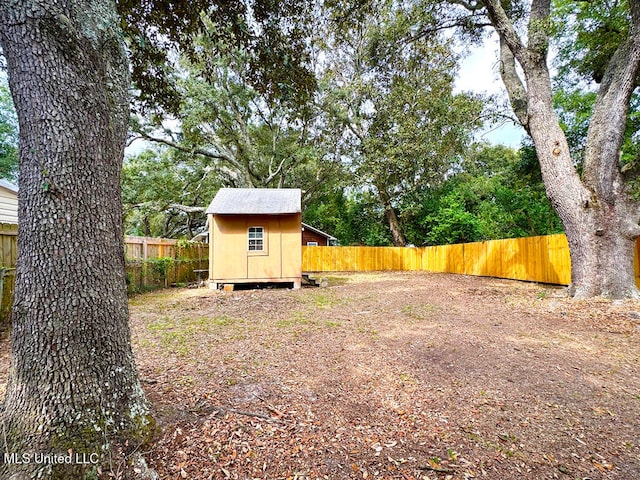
(608, 121)
(186, 208)
(193, 150)
(538, 38)
(504, 28)
(238, 174)
(273, 175)
(513, 84)
(462, 22)
(472, 6)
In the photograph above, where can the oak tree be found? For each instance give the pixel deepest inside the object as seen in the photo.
(73, 385)
(599, 212)
(395, 99)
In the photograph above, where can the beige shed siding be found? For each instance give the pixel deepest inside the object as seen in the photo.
(8, 206)
(229, 258)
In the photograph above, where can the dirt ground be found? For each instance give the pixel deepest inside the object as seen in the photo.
(390, 376)
(395, 376)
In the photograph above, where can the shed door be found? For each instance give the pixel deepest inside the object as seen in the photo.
(265, 264)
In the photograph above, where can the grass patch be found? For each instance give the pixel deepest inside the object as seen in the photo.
(332, 324)
(298, 319)
(157, 298)
(324, 301)
(335, 281)
(419, 312)
(180, 335)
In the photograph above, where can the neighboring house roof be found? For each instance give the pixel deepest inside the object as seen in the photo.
(9, 186)
(319, 232)
(256, 201)
(201, 237)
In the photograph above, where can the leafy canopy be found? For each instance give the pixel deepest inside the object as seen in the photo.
(8, 135)
(272, 33)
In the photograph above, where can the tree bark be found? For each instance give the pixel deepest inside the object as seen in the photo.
(73, 386)
(599, 216)
(397, 235)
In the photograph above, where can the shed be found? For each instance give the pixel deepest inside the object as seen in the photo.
(255, 237)
(312, 237)
(8, 202)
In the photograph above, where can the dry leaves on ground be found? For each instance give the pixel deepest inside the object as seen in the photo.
(394, 376)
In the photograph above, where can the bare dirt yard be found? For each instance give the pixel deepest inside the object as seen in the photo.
(390, 376)
(394, 376)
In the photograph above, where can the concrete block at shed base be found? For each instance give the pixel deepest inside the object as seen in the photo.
(213, 285)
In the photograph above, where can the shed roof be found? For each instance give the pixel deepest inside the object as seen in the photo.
(256, 201)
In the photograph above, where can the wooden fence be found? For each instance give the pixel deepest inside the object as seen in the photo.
(150, 262)
(8, 257)
(160, 262)
(157, 262)
(541, 259)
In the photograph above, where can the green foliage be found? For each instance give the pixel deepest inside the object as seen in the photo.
(8, 135)
(273, 35)
(237, 135)
(574, 107)
(164, 194)
(451, 222)
(385, 131)
(589, 34)
(497, 193)
(160, 266)
(255, 140)
(353, 218)
(393, 98)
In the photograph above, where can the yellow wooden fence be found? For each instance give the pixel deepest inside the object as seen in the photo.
(541, 259)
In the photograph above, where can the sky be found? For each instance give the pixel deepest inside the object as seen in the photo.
(479, 73)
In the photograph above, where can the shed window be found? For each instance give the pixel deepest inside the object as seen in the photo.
(256, 239)
(312, 244)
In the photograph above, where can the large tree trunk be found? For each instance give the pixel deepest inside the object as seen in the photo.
(73, 385)
(602, 262)
(599, 216)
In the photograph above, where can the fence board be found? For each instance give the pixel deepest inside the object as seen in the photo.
(8, 257)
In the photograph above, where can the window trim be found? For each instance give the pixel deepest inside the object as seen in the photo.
(255, 239)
